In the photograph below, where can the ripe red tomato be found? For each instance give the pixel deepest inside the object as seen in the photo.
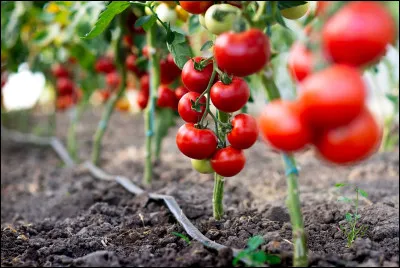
(142, 98)
(145, 52)
(64, 102)
(196, 143)
(104, 95)
(359, 33)
(59, 71)
(113, 79)
(350, 143)
(169, 70)
(145, 83)
(232, 97)
(244, 131)
(300, 61)
(228, 161)
(196, 80)
(166, 98)
(242, 54)
(104, 65)
(283, 126)
(196, 7)
(180, 91)
(185, 107)
(333, 96)
(65, 86)
(130, 63)
(128, 40)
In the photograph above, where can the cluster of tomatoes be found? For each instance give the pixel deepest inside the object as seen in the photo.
(330, 111)
(67, 92)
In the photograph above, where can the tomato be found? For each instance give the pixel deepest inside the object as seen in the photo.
(180, 91)
(64, 102)
(59, 71)
(145, 52)
(169, 70)
(196, 79)
(145, 83)
(166, 14)
(228, 161)
(166, 98)
(294, 13)
(128, 40)
(185, 107)
(104, 95)
(123, 105)
(283, 126)
(104, 65)
(195, 7)
(242, 54)
(142, 99)
(333, 96)
(183, 15)
(232, 97)
(300, 61)
(244, 131)
(113, 79)
(196, 143)
(202, 21)
(130, 63)
(65, 86)
(358, 34)
(202, 166)
(350, 143)
(216, 23)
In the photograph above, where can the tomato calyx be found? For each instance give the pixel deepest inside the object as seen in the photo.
(224, 77)
(196, 105)
(200, 65)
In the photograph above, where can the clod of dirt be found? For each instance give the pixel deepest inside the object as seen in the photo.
(100, 258)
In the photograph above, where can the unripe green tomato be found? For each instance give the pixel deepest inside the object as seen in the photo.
(202, 166)
(202, 21)
(295, 13)
(166, 14)
(219, 25)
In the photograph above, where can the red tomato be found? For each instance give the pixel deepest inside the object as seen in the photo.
(142, 98)
(64, 102)
(65, 86)
(322, 7)
(350, 143)
(145, 52)
(185, 107)
(196, 80)
(196, 143)
(333, 96)
(128, 40)
(130, 63)
(359, 33)
(59, 71)
(104, 65)
(283, 126)
(300, 61)
(166, 98)
(228, 161)
(196, 7)
(169, 70)
(104, 95)
(244, 131)
(72, 60)
(242, 54)
(180, 91)
(230, 98)
(145, 83)
(113, 79)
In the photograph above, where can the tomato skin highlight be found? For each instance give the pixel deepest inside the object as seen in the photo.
(232, 97)
(195, 80)
(300, 61)
(228, 162)
(358, 33)
(333, 96)
(185, 107)
(350, 143)
(166, 98)
(202, 166)
(244, 131)
(283, 126)
(195, 7)
(180, 92)
(242, 54)
(196, 143)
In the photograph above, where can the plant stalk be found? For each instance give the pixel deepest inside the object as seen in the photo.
(72, 145)
(154, 64)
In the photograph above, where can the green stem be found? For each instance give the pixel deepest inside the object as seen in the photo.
(72, 145)
(154, 64)
(300, 258)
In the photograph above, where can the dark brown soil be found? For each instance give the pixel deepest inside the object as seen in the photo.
(52, 216)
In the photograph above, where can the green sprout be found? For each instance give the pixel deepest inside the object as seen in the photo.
(182, 236)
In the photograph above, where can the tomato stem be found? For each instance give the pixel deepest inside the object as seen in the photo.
(71, 138)
(154, 65)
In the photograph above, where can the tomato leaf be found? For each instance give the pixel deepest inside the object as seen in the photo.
(349, 216)
(113, 9)
(255, 242)
(242, 254)
(289, 4)
(146, 22)
(180, 50)
(344, 199)
(362, 193)
(280, 20)
(272, 259)
(340, 185)
(207, 45)
(194, 24)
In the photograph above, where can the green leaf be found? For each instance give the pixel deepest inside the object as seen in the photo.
(393, 98)
(273, 259)
(146, 22)
(171, 36)
(207, 45)
(279, 19)
(180, 50)
(45, 37)
(349, 216)
(289, 4)
(259, 257)
(362, 193)
(254, 242)
(182, 236)
(242, 254)
(340, 185)
(344, 199)
(113, 9)
(194, 24)
(357, 216)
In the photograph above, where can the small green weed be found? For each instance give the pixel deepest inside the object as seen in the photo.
(182, 236)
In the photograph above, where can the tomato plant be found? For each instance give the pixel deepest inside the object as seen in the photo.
(244, 131)
(196, 74)
(230, 97)
(185, 109)
(202, 166)
(220, 18)
(228, 161)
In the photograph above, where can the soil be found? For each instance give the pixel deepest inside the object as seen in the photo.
(53, 216)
